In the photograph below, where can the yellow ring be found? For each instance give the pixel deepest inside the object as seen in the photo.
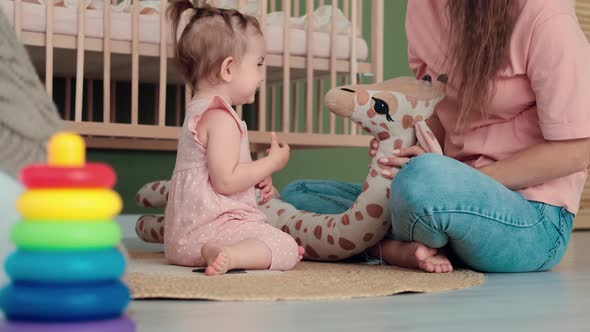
(69, 204)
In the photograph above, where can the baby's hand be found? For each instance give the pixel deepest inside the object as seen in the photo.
(267, 190)
(278, 152)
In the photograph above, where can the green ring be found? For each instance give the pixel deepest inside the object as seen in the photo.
(65, 235)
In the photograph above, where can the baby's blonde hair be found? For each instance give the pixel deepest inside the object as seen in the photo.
(209, 37)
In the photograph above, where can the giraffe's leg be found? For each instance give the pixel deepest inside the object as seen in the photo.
(150, 228)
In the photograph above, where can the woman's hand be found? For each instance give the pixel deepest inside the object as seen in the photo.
(400, 157)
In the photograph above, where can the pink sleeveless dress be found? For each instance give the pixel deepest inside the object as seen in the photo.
(196, 213)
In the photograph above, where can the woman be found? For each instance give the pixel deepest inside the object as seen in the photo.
(514, 128)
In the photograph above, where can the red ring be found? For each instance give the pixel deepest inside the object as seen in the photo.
(92, 175)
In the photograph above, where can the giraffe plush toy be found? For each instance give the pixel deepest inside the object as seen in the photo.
(394, 112)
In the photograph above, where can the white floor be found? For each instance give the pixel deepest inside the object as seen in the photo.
(558, 300)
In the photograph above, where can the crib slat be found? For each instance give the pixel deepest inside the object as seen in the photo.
(188, 95)
(321, 106)
(296, 9)
(80, 62)
(135, 63)
(309, 69)
(90, 99)
(18, 18)
(322, 2)
(106, 81)
(49, 50)
(156, 104)
(346, 8)
(286, 65)
(296, 95)
(346, 122)
(377, 38)
(262, 89)
(68, 101)
(273, 5)
(360, 14)
(333, 61)
(163, 63)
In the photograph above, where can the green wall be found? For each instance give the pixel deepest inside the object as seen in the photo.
(135, 168)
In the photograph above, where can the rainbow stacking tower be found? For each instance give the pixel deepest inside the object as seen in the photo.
(66, 267)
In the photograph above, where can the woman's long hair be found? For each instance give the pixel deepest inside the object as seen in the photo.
(480, 36)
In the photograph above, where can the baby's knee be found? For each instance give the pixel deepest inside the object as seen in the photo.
(285, 253)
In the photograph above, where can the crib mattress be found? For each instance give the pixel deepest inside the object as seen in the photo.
(66, 23)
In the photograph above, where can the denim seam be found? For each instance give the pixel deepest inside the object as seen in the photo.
(477, 214)
(557, 241)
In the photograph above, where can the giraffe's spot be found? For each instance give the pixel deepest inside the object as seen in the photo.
(162, 190)
(371, 113)
(261, 203)
(311, 252)
(358, 215)
(384, 135)
(327, 217)
(146, 203)
(368, 237)
(384, 126)
(162, 231)
(333, 257)
(281, 211)
(316, 215)
(413, 101)
(155, 185)
(298, 240)
(366, 186)
(285, 229)
(374, 173)
(268, 206)
(330, 223)
(330, 239)
(318, 232)
(345, 220)
(160, 219)
(419, 118)
(298, 224)
(154, 234)
(137, 198)
(141, 222)
(374, 210)
(374, 123)
(346, 244)
(407, 121)
(305, 230)
(427, 103)
(398, 143)
(362, 96)
(367, 129)
(387, 192)
(292, 217)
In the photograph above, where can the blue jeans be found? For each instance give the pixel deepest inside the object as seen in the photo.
(441, 202)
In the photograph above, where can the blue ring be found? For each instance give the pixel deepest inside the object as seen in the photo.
(62, 303)
(121, 324)
(65, 266)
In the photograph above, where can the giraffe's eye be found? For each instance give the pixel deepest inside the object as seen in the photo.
(381, 107)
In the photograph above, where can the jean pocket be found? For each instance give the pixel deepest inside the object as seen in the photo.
(563, 228)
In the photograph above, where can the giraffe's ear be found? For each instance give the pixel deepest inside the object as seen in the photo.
(426, 138)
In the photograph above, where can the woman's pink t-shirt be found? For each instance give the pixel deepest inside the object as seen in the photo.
(542, 94)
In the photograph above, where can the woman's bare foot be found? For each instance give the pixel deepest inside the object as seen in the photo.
(217, 257)
(411, 255)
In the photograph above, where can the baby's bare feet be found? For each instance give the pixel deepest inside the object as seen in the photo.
(217, 258)
(412, 255)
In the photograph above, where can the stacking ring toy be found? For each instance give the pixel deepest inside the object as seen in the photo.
(69, 204)
(47, 302)
(91, 175)
(65, 266)
(122, 324)
(66, 235)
